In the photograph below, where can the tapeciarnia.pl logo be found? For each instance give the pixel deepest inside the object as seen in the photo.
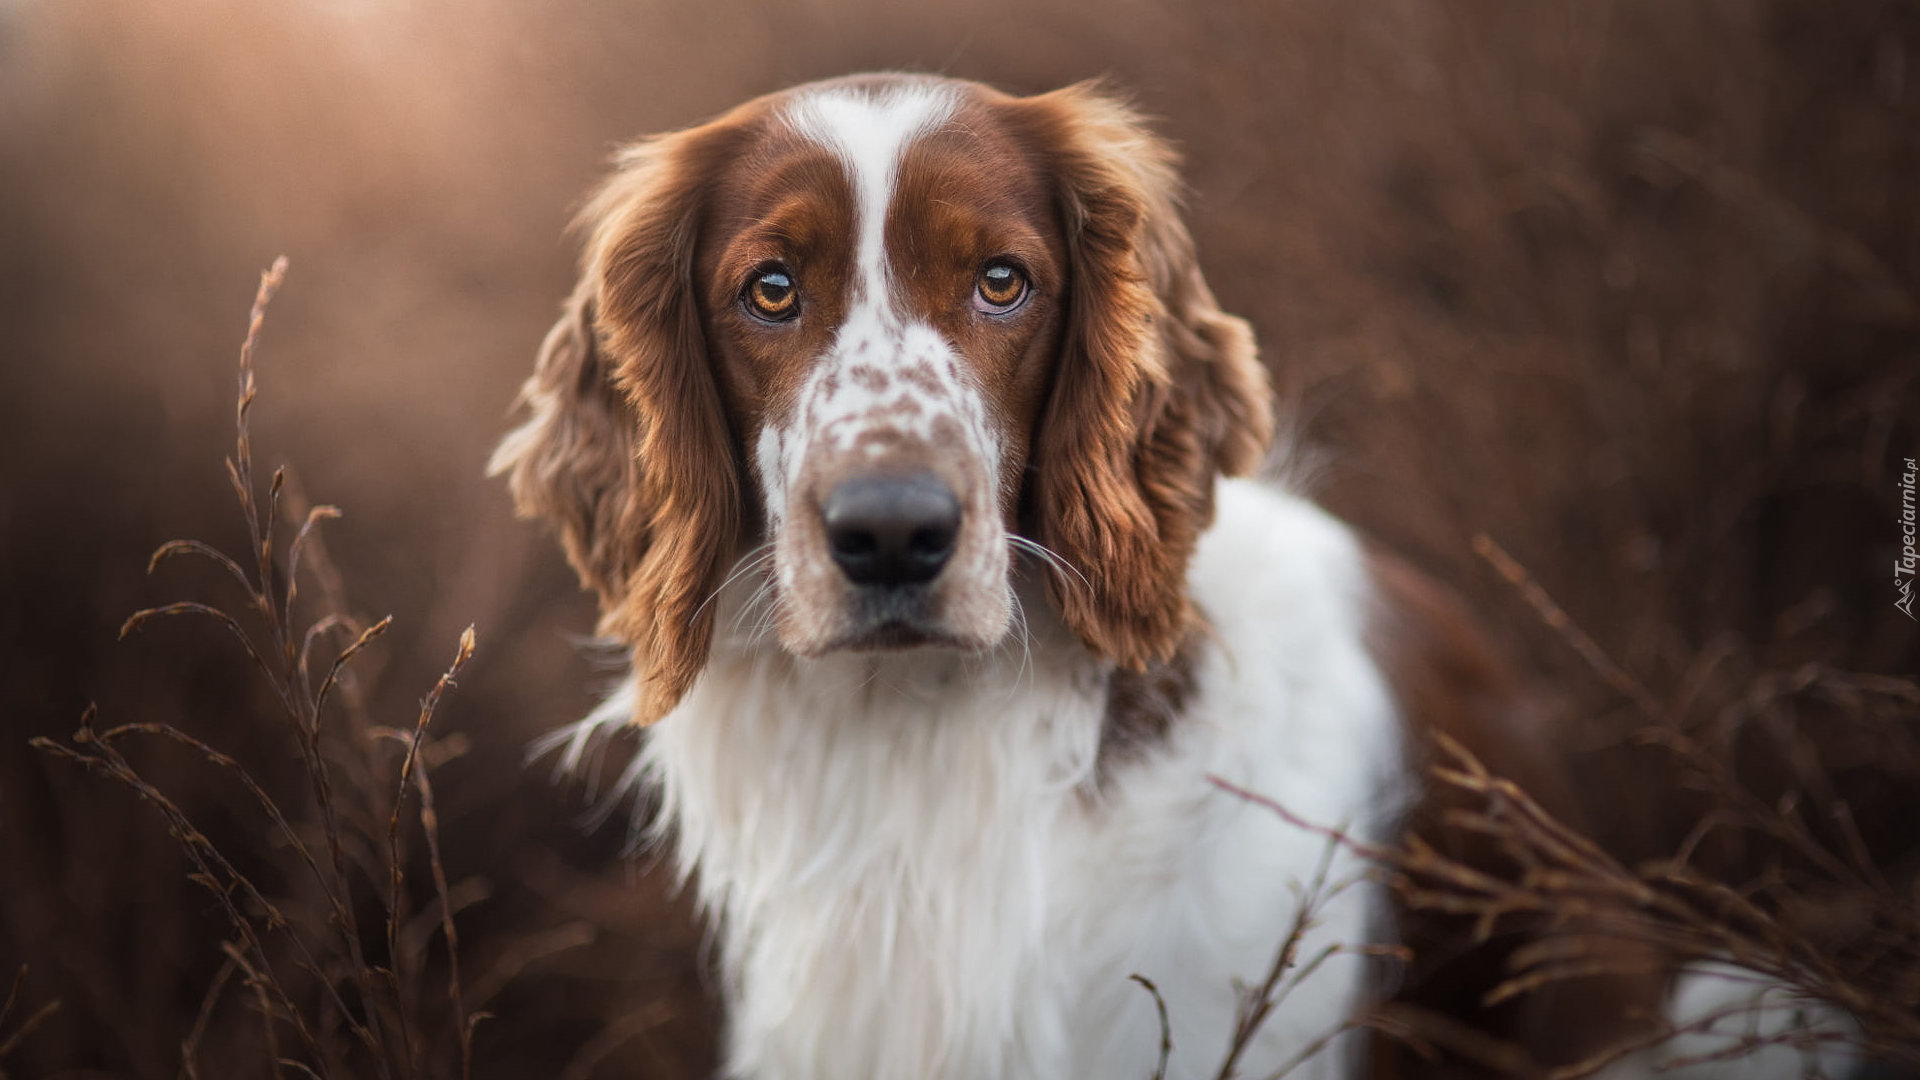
(1903, 567)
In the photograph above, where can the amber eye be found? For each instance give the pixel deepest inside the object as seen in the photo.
(771, 295)
(1000, 288)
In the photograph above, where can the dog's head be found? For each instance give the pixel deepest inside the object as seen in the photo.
(885, 337)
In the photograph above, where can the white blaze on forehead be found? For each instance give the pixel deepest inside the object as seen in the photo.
(856, 384)
(887, 390)
(868, 130)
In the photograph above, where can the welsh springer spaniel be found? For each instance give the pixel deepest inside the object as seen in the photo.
(889, 420)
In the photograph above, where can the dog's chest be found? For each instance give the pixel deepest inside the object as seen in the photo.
(907, 905)
(916, 871)
(884, 853)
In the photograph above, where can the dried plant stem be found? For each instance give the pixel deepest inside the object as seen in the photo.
(1689, 914)
(212, 870)
(1259, 1002)
(190, 1046)
(1166, 1029)
(396, 875)
(1556, 618)
(383, 1021)
(10, 1040)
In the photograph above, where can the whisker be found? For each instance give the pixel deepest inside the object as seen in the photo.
(1053, 559)
(747, 563)
(761, 594)
(1025, 633)
(766, 622)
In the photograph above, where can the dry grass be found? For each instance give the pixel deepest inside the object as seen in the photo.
(326, 1004)
(1823, 920)
(13, 1030)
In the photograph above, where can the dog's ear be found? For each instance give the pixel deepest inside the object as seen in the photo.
(627, 447)
(1156, 391)
(573, 462)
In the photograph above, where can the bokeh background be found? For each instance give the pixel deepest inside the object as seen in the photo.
(1630, 286)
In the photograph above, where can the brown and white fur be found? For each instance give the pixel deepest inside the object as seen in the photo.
(941, 610)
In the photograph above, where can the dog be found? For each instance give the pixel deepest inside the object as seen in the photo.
(908, 451)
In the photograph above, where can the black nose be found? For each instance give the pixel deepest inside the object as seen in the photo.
(891, 530)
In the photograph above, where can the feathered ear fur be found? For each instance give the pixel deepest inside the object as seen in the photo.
(1156, 391)
(627, 448)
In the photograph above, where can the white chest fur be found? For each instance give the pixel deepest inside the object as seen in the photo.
(916, 873)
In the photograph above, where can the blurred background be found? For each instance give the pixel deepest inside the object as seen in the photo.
(1630, 286)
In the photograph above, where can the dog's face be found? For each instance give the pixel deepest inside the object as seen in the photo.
(881, 338)
(882, 282)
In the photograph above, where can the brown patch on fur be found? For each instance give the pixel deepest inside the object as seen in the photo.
(646, 388)
(1446, 679)
(1142, 706)
(1155, 391)
(573, 462)
(787, 200)
(629, 447)
(965, 194)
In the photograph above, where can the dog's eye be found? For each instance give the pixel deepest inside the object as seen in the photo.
(1000, 288)
(771, 295)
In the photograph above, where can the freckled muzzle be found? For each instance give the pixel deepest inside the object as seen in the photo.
(891, 541)
(897, 549)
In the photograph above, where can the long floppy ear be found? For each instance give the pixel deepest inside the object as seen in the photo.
(1156, 391)
(627, 448)
(573, 461)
